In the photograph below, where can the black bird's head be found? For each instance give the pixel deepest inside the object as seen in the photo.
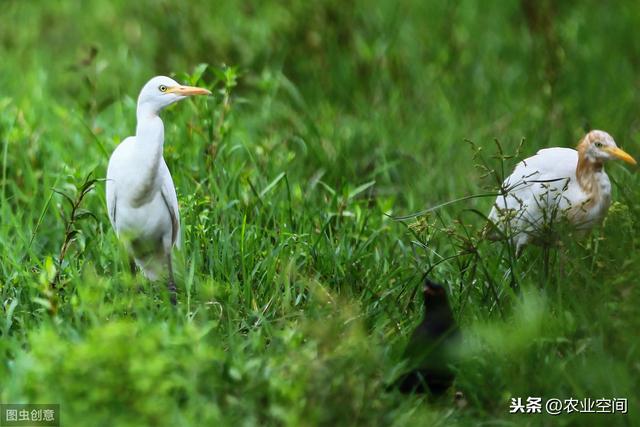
(435, 296)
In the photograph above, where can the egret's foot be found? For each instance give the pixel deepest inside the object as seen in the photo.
(173, 294)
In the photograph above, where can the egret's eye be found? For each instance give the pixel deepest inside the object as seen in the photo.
(599, 144)
(162, 88)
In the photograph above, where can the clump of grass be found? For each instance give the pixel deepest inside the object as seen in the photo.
(72, 219)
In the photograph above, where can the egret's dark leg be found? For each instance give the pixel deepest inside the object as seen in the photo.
(171, 285)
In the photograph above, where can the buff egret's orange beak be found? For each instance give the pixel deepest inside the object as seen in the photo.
(188, 90)
(621, 154)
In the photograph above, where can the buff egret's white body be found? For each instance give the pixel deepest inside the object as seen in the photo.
(557, 183)
(141, 198)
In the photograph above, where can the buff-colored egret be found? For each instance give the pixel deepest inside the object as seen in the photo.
(557, 183)
(141, 198)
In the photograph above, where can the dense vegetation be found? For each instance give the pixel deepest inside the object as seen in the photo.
(297, 282)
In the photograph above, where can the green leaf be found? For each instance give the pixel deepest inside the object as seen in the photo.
(198, 72)
(43, 302)
(272, 184)
(50, 268)
(353, 193)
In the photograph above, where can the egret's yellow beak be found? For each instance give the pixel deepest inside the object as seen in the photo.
(188, 90)
(620, 154)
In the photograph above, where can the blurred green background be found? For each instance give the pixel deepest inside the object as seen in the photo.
(297, 287)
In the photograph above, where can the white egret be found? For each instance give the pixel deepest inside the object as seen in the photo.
(557, 183)
(141, 198)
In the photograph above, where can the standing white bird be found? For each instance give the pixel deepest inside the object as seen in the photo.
(141, 198)
(555, 184)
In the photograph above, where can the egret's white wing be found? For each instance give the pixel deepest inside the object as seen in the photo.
(171, 199)
(111, 185)
(536, 192)
(547, 164)
(550, 169)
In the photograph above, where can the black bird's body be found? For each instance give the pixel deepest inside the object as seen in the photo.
(432, 346)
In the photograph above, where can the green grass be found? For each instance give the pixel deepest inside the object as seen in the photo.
(297, 286)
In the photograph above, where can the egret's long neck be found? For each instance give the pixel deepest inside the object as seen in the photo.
(148, 148)
(589, 175)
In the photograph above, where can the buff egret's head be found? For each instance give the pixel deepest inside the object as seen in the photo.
(162, 91)
(598, 146)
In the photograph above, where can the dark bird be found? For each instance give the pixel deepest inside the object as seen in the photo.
(432, 347)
